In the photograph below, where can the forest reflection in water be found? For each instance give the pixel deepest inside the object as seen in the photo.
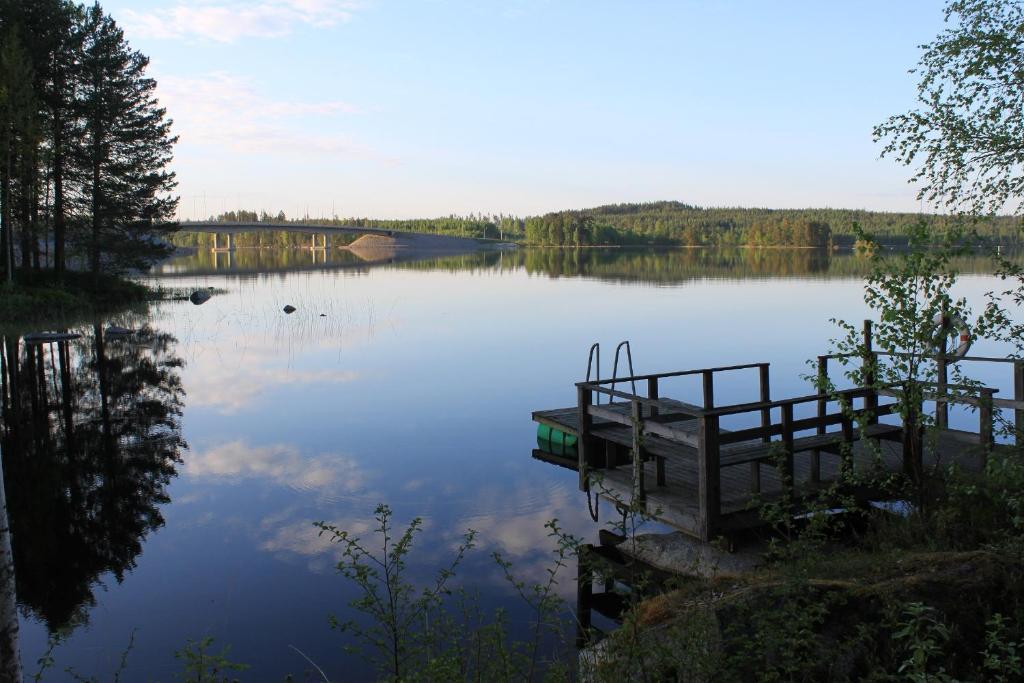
(650, 266)
(91, 438)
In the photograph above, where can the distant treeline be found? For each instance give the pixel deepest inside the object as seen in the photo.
(669, 224)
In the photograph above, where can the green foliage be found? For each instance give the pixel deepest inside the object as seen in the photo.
(203, 666)
(43, 298)
(923, 635)
(1002, 655)
(440, 633)
(397, 638)
(967, 134)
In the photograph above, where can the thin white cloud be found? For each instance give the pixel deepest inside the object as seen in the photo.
(233, 21)
(222, 110)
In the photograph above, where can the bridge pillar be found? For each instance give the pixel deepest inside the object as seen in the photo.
(327, 241)
(216, 244)
(231, 242)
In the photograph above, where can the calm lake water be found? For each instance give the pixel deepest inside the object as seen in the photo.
(180, 502)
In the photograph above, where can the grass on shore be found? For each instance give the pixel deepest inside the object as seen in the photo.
(44, 297)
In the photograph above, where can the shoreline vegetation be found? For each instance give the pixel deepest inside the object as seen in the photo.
(46, 299)
(652, 224)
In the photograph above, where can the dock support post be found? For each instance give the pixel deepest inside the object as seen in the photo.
(822, 412)
(659, 462)
(766, 422)
(583, 399)
(787, 445)
(709, 389)
(870, 361)
(638, 452)
(985, 424)
(708, 477)
(846, 451)
(1018, 395)
(941, 407)
(913, 458)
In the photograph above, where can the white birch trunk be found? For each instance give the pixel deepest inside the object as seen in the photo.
(10, 659)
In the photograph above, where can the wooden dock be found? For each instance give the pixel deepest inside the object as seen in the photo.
(677, 463)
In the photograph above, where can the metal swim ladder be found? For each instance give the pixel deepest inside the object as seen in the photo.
(595, 369)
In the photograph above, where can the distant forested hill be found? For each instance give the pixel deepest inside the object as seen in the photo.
(671, 224)
(678, 223)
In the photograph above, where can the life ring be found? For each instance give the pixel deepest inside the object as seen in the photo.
(947, 326)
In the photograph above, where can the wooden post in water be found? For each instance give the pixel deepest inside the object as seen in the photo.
(583, 399)
(708, 477)
(638, 451)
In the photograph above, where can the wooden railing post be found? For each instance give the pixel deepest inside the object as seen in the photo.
(638, 454)
(1018, 395)
(870, 361)
(941, 406)
(584, 396)
(787, 444)
(913, 458)
(708, 477)
(822, 412)
(709, 389)
(985, 432)
(766, 422)
(659, 462)
(846, 450)
(652, 392)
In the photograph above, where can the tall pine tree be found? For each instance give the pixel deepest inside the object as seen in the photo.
(125, 152)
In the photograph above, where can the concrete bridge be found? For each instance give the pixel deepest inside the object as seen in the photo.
(374, 244)
(323, 232)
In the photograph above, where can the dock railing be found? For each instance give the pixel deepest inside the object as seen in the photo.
(778, 437)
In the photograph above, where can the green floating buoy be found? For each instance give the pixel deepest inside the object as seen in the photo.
(555, 441)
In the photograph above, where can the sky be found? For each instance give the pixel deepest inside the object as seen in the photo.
(398, 109)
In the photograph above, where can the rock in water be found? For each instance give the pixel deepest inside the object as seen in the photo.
(289, 309)
(200, 296)
(323, 315)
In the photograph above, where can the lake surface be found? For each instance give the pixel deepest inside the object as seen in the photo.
(180, 503)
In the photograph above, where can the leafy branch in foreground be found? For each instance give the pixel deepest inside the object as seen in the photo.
(397, 637)
(967, 133)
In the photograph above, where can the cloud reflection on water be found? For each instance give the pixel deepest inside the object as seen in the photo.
(281, 464)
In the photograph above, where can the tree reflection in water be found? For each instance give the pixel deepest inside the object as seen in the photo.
(91, 436)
